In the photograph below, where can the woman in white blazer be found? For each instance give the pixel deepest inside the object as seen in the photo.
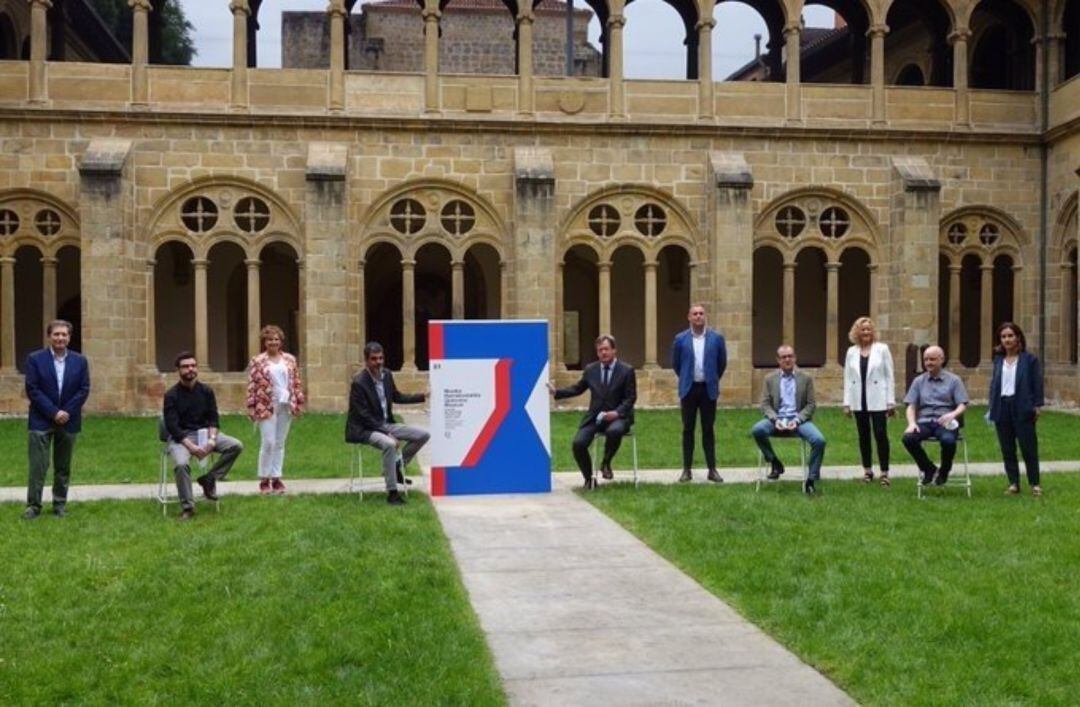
(869, 393)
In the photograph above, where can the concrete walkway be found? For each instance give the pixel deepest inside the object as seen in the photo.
(580, 612)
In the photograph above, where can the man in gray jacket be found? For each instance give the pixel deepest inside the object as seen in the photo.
(787, 401)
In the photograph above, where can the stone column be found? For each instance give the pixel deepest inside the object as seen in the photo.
(832, 313)
(617, 108)
(150, 352)
(789, 302)
(504, 290)
(559, 334)
(240, 12)
(877, 71)
(872, 268)
(38, 49)
(955, 269)
(706, 104)
(959, 40)
(1018, 291)
(330, 301)
(650, 315)
(532, 255)
(525, 62)
(604, 272)
(112, 264)
(338, 16)
(792, 38)
(48, 290)
(1068, 330)
(301, 315)
(140, 90)
(431, 15)
(909, 312)
(361, 322)
(724, 276)
(986, 311)
(1054, 43)
(457, 289)
(254, 308)
(7, 314)
(202, 314)
(408, 314)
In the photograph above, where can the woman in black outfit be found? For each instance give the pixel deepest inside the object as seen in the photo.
(1016, 397)
(869, 393)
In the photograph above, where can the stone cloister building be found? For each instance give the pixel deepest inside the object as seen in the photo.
(166, 207)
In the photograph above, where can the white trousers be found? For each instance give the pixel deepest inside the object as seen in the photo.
(273, 432)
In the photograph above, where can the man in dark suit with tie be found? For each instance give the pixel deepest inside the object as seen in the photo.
(57, 385)
(612, 386)
(371, 420)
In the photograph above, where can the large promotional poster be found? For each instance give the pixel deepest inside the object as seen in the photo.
(490, 429)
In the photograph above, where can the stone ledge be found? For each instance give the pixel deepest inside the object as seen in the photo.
(533, 164)
(730, 170)
(326, 161)
(105, 157)
(916, 174)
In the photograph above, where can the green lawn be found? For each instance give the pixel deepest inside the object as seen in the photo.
(944, 601)
(294, 600)
(125, 449)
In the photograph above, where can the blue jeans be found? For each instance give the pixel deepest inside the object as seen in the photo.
(762, 431)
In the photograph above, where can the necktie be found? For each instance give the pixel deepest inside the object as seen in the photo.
(607, 375)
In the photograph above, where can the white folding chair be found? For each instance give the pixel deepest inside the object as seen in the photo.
(764, 466)
(356, 471)
(957, 477)
(598, 451)
(164, 482)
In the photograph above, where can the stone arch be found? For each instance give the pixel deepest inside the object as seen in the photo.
(9, 38)
(413, 218)
(969, 252)
(769, 64)
(688, 14)
(28, 207)
(847, 45)
(918, 37)
(1001, 54)
(1067, 22)
(1061, 281)
(830, 223)
(626, 201)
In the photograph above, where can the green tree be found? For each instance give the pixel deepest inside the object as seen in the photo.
(177, 46)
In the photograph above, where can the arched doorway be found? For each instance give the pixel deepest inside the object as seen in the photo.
(854, 291)
(29, 304)
(810, 303)
(433, 295)
(228, 316)
(383, 301)
(581, 306)
(174, 303)
(767, 317)
(673, 295)
(279, 292)
(483, 282)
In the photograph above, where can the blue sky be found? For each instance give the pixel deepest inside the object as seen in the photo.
(653, 34)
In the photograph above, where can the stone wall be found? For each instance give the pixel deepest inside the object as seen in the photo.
(166, 156)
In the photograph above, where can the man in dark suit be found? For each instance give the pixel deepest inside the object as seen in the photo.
(371, 420)
(699, 357)
(57, 385)
(612, 386)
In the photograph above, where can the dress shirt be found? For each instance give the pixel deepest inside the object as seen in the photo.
(1008, 378)
(787, 397)
(933, 397)
(699, 357)
(380, 390)
(59, 362)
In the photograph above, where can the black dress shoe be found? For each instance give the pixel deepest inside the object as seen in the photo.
(808, 487)
(715, 477)
(606, 472)
(209, 487)
(186, 514)
(941, 477)
(777, 470)
(927, 477)
(394, 498)
(686, 477)
(60, 511)
(31, 513)
(401, 478)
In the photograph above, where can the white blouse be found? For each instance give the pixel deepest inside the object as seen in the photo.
(1008, 378)
(279, 377)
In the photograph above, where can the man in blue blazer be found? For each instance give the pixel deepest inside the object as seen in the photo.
(57, 385)
(699, 357)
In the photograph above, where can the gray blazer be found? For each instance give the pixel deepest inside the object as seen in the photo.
(804, 396)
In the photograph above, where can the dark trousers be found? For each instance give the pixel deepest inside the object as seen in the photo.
(1010, 430)
(697, 401)
(863, 422)
(613, 433)
(947, 438)
(62, 443)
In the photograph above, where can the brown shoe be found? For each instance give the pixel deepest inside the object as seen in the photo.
(264, 486)
(279, 486)
(715, 477)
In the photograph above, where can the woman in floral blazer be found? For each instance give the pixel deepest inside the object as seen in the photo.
(274, 397)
